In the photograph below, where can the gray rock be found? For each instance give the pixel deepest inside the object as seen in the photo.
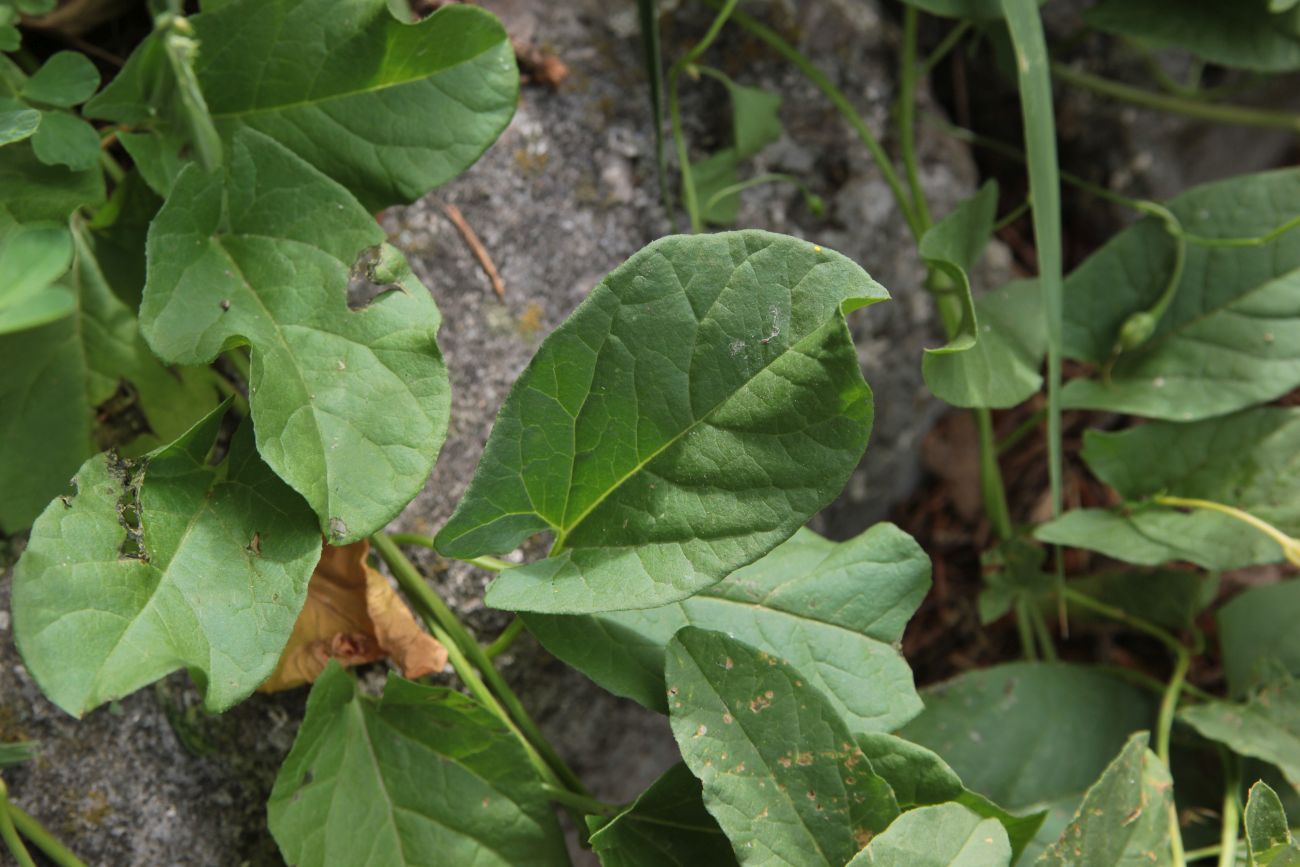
(566, 195)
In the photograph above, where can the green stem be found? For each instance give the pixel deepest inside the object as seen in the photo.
(1290, 545)
(842, 104)
(1169, 703)
(486, 563)
(418, 539)
(1231, 811)
(1044, 637)
(675, 115)
(1014, 214)
(583, 803)
(42, 839)
(111, 167)
(1024, 429)
(947, 44)
(907, 116)
(648, 13)
(1121, 616)
(991, 486)
(9, 834)
(1227, 114)
(1025, 631)
(414, 585)
(814, 201)
(505, 639)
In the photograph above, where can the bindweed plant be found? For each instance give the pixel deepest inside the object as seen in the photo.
(199, 317)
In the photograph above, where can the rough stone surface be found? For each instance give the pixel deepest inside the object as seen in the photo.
(567, 194)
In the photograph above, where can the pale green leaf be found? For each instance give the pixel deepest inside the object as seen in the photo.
(1124, 817)
(421, 776)
(1266, 726)
(68, 78)
(834, 611)
(117, 589)
(1031, 735)
(81, 384)
(1229, 337)
(64, 139)
(698, 407)
(350, 406)
(1257, 631)
(390, 110)
(1268, 836)
(666, 826)
(1002, 369)
(32, 257)
(1246, 34)
(945, 835)
(780, 770)
(16, 122)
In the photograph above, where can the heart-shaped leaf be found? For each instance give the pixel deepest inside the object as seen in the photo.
(17, 122)
(834, 611)
(350, 406)
(117, 587)
(422, 776)
(780, 770)
(1266, 726)
(68, 78)
(945, 835)
(698, 407)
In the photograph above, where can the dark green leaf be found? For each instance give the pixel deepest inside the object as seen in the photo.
(1266, 726)
(68, 78)
(781, 773)
(1002, 369)
(698, 407)
(1169, 598)
(64, 139)
(31, 191)
(1245, 34)
(350, 406)
(946, 835)
(1124, 817)
(422, 776)
(1065, 722)
(80, 384)
(156, 156)
(834, 611)
(1268, 836)
(117, 587)
(1258, 635)
(32, 257)
(19, 752)
(1230, 336)
(667, 826)
(389, 110)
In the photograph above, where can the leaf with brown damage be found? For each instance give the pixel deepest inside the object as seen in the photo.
(353, 615)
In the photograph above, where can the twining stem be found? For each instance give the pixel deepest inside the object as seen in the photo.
(907, 115)
(991, 486)
(1290, 545)
(503, 642)
(837, 98)
(690, 199)
(814, 201)
(42, 839)
(1227, 114)
(414, 585)
(9, 834)
(587, 805)
(1231, 811)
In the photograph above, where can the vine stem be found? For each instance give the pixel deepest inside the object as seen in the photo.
(1234, 115)
(9, 834)
(1290, 545)
(1231, 808)
(34, 831)
(907, 115)
(587, 805)
(507, 637)
(474, 656)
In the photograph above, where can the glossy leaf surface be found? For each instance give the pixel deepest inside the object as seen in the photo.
(698, 407)
(350, 406)
(835, 611)
(781, 773)
(421, 776)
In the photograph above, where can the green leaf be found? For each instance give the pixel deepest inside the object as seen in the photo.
(1124, 817)
(117, 587)
(389, 110)
(1013, 574)
(946, 835)
(350, 406)
(951, 247)
(421, 776)
(1244, 34)
(780, 770)
(21, 751)
(157, 157)
(32, 257)
(978, 10)
(834, 611)
(1266, 726)
(1229, 337)
(755, 116)
(63, 139)
(711, 176)
(919, 777)
(81, 384)
(16, 122)
(698, 407)
(1154, 535)
(31, 191)
(1268, 836)
(1170, 598)
(666, 826)
(1002, 369)
(118, 236)
(1065, 722)
(68, 78)
(1257, 633)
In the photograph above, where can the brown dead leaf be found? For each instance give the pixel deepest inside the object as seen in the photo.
(353, 615)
